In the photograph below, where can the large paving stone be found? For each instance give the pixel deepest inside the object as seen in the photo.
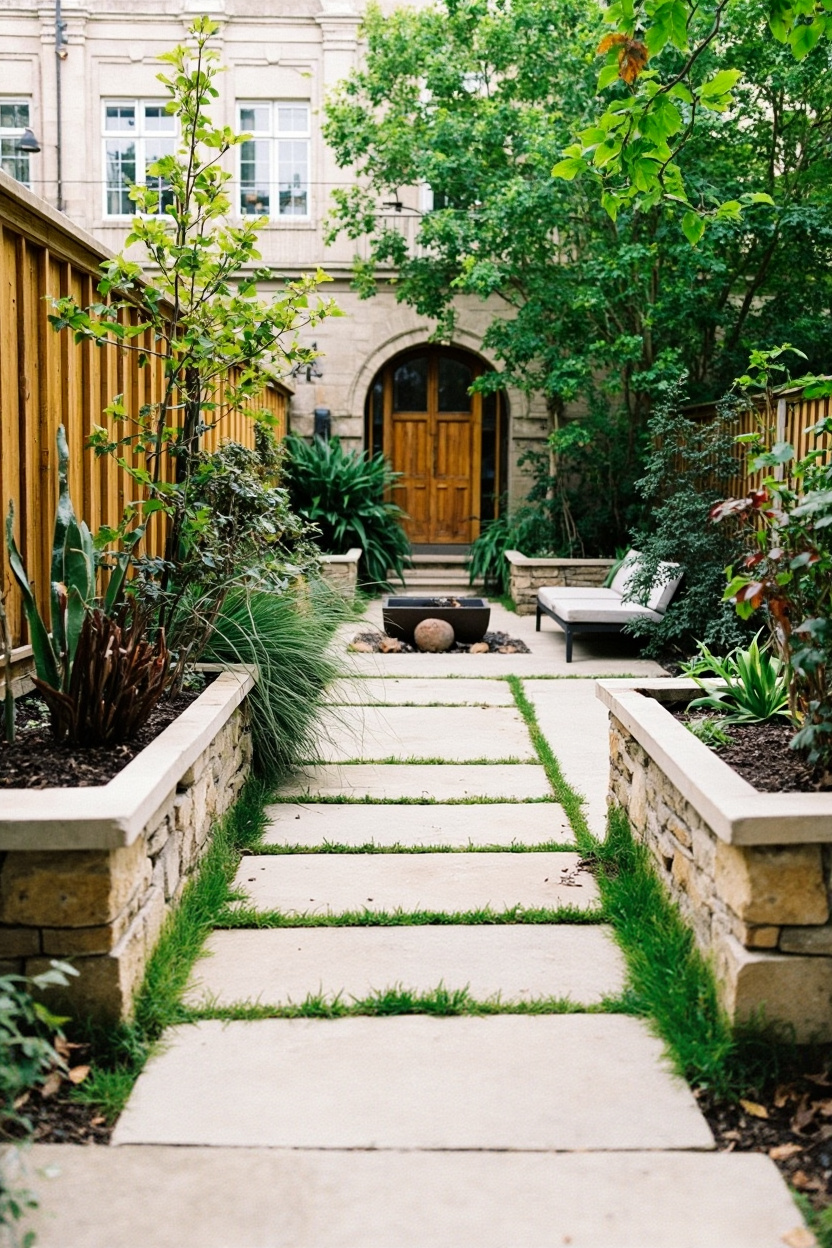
(333, 883)
(277, 1198)
(513, 823)
(518, 963)
(441, 782)
(393, 690)
(451, 733)
(549, 1082)
(576, 725)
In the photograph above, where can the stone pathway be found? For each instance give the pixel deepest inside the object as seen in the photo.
(552, 1120)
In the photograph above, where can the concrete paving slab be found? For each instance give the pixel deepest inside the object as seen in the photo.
(395, 690)
(517, 963)
(441, 783)
(537, 1082)
(589, 662)
(333, 883)
(277, 1198)
(451, 733)
(576, 725)
(512, 823)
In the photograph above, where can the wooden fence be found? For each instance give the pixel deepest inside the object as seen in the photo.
(47, 380)
(790, 417)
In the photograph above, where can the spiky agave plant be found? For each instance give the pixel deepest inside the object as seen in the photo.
(95, 670)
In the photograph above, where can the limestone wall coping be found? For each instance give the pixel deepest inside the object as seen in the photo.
(352, 556)
(515, 557)
(736, 811)
(110, 815)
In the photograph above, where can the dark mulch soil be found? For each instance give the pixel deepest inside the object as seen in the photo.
(762, 755)
(37, 761)
(380, 643)
(792, 1124)
(59, 1120)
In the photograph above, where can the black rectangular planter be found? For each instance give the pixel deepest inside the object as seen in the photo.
(469, 620)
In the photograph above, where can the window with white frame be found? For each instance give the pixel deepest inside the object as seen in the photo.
(274, 162)
(14, 119)
(136, 133)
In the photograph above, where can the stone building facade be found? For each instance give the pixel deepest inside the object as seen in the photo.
(90, 95)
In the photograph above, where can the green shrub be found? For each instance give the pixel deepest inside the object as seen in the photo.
(287, 636)
(690, 467)
(753, 686)
(345, 494)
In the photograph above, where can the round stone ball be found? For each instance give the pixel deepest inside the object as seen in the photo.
(434, 636)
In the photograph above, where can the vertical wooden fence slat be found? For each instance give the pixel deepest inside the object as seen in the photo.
(46, 379)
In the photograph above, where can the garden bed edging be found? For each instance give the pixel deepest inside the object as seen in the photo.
(529, 574)
(88, 875)
(750, 871)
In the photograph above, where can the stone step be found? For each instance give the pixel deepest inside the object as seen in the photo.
(392, 690)
(452, 733)
(439, 561)
(277, 1198)
(539, 1082)
(512, 823)
(442, 782)
(319, 884)
(517, 963)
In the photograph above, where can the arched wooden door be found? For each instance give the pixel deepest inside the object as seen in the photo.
(421, 414)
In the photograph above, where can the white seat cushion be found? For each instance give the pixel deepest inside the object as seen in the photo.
(592, 611)
(549, 593)
(620, 582)
(668, 576)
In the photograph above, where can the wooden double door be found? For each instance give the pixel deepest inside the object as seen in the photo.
(431, 432)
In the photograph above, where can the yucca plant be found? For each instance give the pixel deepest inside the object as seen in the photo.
(487, 560)
(96, 672)
(346, 495)
(753, 684)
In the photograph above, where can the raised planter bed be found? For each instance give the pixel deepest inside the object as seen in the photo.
(528, 575)
(749, 870)
(468, 617)
(88, 874)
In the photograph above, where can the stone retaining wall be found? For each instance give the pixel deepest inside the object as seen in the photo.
(103, 909)
(342, 571)
(528, 575)
(761, 911)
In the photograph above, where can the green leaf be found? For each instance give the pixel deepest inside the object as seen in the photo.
(608, 74)
(803, 38)
(569, 168)
(721, 83)
(693, 227)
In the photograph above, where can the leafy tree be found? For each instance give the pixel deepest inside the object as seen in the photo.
(219, 342)
(670, 66)
(598, 309)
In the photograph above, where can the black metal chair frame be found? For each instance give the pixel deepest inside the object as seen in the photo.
(569, 628)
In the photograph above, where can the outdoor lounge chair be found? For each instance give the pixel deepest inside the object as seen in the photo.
(587, 610)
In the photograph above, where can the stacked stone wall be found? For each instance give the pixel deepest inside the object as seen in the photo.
(761, 911)
(102, 910)
(529, 575)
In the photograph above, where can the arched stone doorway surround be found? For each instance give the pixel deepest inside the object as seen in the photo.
(450, 447)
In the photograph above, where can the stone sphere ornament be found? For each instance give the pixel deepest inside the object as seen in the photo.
(435, 636)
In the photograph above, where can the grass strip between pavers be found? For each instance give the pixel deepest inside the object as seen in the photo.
(395, 760)
(342, 799)
(441, 1002)
(370, 847)
(249, 917)
(670, 982)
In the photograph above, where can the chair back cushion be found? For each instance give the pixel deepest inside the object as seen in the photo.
(620, 582)
(667, 578)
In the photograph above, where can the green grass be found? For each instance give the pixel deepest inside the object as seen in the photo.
(670, 983)
(343, 799)
(411, 760)
(441, 1002)
(122, 1050)
(250, 917)
(370, 847)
